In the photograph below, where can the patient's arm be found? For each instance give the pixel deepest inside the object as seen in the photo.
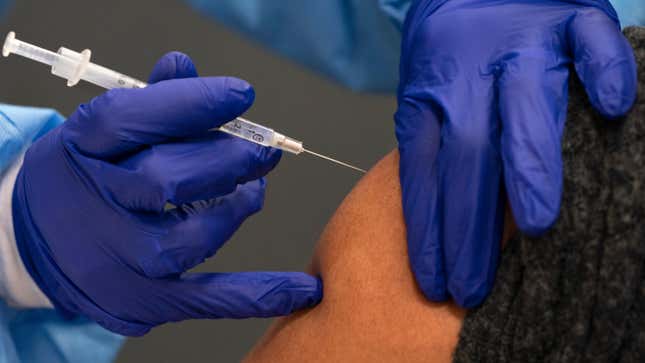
(371, 310)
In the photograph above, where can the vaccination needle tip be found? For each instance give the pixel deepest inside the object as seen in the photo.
(335, 161)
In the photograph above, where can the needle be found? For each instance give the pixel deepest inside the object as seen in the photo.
(334, 161)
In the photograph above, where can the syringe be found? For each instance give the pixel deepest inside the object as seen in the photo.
(75, 66)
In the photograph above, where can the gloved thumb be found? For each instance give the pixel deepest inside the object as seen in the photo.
(604, 61)
(171, 66)
(239, 295)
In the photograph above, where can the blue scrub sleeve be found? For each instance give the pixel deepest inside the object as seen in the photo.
(42, 335)
(630, 12)
(4, 8)
(20, 126)
(39, 335)
(351, 41)
(354, 42)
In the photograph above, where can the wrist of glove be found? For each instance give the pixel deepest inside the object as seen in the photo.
(90, 217)
(17, 287)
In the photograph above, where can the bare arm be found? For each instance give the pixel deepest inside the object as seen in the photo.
(372, 309)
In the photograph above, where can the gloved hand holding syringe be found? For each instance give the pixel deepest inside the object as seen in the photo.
(75, 66)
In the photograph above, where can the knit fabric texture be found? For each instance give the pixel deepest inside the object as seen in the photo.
(577, 294)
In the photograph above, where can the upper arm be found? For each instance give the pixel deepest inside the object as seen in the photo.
(372, 309)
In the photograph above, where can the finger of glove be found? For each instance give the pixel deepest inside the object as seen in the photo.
(173, 65)
(238, 295)
(195, 169)
(417, 131)
(123, 121)
(533, 109)
(604, 61)
(197, 230)
(469, 169)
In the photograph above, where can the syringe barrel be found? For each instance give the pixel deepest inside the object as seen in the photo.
(68, 63)
(109, 79)
(248, 130)
(261, 135)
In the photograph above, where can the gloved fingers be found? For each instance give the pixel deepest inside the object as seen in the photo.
(604, 61)
(238, 295)
(123, 121)
(471, 213)
(418, 132)
(533, 109)
(193, 169)
(197, 230)
(172, 65)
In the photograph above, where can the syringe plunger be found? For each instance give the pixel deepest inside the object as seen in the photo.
(13, 45)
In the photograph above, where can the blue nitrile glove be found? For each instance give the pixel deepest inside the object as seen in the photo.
(483, 93)
(89, 202)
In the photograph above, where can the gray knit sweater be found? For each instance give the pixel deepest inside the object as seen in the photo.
(578, 293)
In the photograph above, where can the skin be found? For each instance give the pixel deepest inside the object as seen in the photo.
(372, 310)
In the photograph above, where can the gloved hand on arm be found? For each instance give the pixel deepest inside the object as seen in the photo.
(89, 206)
(483, 99)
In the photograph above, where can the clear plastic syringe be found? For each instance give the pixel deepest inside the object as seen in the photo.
(75, 66)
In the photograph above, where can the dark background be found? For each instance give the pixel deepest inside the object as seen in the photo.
(303, 191)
